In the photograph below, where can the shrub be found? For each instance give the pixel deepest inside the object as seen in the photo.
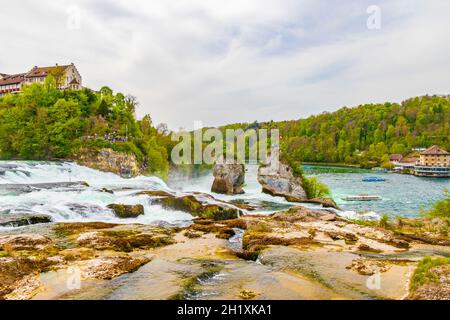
(422, 274)
(440, 209)
(384, 221)
(314, 188)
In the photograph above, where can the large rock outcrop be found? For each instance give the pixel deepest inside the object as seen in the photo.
(228, 178)
(278, 179)
(107, 160)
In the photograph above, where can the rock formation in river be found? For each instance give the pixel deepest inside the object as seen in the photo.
(107, 160)
(127, 211)
(278, 179)
(197, 204)
(228, 178)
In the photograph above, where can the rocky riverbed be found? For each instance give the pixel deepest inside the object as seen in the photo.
(293, 254)
(70, 232)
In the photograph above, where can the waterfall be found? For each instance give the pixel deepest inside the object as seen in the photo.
(49, 192)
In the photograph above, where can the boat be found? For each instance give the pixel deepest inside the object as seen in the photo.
(362, 197)
(373, 179)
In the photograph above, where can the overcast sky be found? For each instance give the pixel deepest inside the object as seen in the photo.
(223, 61)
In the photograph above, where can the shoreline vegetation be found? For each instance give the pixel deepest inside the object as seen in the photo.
(44, 123)
(309, 254)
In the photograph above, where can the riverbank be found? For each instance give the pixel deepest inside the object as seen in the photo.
(332, 164)
(308, 254)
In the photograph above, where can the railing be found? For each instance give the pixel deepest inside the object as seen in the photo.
(432, 169)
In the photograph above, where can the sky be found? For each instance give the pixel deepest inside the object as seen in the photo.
(222, 62)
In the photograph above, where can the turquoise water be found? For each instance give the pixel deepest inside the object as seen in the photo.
(402, 194)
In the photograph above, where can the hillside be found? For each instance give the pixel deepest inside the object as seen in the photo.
(365, 134)
(44, 123)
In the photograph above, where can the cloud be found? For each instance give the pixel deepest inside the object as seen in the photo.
(232, 61)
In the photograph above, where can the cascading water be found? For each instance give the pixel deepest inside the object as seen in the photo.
(76, 202)
(57, 189)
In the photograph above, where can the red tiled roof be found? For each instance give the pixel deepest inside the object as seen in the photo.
(396, 157)
(410, 160)
(12, 79)
(434, 151)
(43, 71)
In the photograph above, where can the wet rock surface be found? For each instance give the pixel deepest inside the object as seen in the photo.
(294, 254)
(107, 160)
(22, 219)
(278, 179)
(228, 178)
(127, 211)
(200, 205)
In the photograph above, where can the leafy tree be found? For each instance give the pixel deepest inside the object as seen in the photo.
(43, 122)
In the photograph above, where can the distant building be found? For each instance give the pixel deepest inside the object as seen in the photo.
(435, 157)
(433, 162)
(66, 76)
(395, 158)
(406, 164)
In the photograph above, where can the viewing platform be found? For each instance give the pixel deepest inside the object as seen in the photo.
(427, 171)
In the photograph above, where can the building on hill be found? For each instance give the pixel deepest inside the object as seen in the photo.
(66, 77)
(11, 83)
(406, 164)
(395, 158)
(433, 162)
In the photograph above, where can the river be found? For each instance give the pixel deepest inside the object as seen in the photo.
(402, 194)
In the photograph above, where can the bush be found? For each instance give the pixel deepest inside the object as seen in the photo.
(315, 188)
(422, 274)
(384, 221)
(440, 209)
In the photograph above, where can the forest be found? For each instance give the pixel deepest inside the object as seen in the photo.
(364, 135)
(44, 123)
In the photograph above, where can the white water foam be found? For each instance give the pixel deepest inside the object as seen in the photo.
(75, 204)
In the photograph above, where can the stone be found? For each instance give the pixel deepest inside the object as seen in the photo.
(247, 294)
(24, 242)
(127, 211)
(124, 240)
(368, 267)
(328, 217)
(106, 268)
(191, 204)
(347, 236)
(278, 179)
(326, 203)
(367, 248)
(228, 178)
(22, 219)
(107, 160)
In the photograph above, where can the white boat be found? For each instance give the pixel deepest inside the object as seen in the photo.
(362, 197)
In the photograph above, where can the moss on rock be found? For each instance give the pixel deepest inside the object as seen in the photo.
(127, 211)
(192, 205)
